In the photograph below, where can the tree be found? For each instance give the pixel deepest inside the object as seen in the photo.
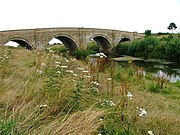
(147, 32)
(172, 26)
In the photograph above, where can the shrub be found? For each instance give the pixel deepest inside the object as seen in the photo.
(81, 54)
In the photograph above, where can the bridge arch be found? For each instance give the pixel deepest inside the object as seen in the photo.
(125, 39)
(21, 41)
(67, 41)
(103, 41)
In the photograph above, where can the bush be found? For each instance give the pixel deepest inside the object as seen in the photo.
(93, 47)
(81, 54)
(151, 47)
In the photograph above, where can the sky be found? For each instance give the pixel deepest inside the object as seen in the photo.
(126, 15)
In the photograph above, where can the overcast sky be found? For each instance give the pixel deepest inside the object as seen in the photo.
(127, 15)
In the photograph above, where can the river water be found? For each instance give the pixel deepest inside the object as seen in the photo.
(170, 70)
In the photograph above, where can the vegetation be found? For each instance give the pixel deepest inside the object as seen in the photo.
(167, 48)
(172, 26)
(47, 94)
(92, 48)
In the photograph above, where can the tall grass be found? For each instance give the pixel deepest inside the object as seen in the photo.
(45, 93)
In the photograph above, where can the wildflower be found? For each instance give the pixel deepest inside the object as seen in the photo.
(43, 64)
(75, 74)
(66, 60)
(80, 68)
(96, 89)
(57, 62)
(109, 79)
(95, 83)
(51, 51)
(142, 112)
(99, 134)
(73, 59)
(64, 66)
(129, 62)
(6, 57)
(85, 71)
(58, 72)
(111, 103)
(39, 72)
(70, 71)
(129, 95)
(150, 133)
(44, 106)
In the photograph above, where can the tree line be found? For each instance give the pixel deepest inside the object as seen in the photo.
(151, 47)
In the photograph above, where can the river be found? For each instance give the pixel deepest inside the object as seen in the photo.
(170, 70)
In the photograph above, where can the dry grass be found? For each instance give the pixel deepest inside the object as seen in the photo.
(70, 98)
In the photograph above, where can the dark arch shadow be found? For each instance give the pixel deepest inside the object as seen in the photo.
(104, 44)
(22, 43)
(125, 39)
(68, 43)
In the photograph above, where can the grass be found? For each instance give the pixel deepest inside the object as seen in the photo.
(45, 93)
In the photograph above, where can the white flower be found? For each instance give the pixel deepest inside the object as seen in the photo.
(75, 74)
(39, 72)
(99, 134)
(96, 89)
(129, 95)
(66, 60)
(95, 83)
(85, 71)
(70, 71)
(44, 106)
(111, 103)
(109, 79)
(58, 72)
(51, 51)
(150, 133)
(57, 62)
(80, 68)
(142, 112)
(43, 64)
(64, 66)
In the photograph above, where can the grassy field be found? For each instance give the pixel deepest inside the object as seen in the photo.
(42, 93)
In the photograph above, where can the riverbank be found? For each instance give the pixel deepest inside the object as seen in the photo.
(45, 93)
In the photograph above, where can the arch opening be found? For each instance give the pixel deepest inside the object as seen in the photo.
(124, 40)
(65, 41)
(104, 44)
(18, 43)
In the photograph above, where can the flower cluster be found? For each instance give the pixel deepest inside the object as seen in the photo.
(129, 95)
(4, 57)
(142, 112)
(150, 133)
(95, 83)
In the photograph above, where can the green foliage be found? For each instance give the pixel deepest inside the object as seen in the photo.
(6, 127)
(147, 32)
(81, 54)
(172, 26)
(59, 49)
(154, 88)
(151, 47)
(93, 47)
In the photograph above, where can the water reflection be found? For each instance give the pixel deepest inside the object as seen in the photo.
(171, 70)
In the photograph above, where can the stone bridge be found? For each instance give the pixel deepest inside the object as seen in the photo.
(72, 38)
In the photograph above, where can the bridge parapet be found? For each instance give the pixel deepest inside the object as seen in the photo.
(73, 38)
